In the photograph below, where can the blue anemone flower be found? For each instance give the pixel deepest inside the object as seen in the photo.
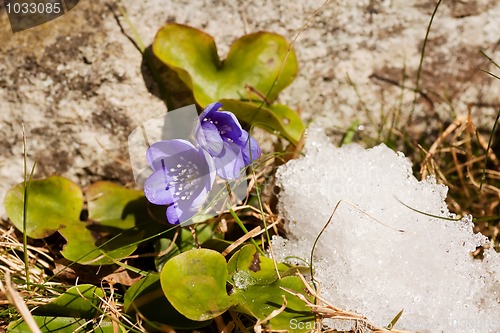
(182, 178)
(221, 135)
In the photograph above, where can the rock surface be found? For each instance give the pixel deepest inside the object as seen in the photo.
(77, 83)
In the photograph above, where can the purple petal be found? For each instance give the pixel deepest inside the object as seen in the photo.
(182, 210)
(174, 213)
(210, 170)
(227, 124)
(182, 179)
(249, 147)
(230, 163)
(208, 138)
(166, 149)
(156, 189)
(209, 109)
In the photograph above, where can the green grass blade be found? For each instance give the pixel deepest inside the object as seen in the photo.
(395, 320)
(26, 183)
(483, 176)
(420, 65)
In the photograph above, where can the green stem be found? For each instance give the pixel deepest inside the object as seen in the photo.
(483, 176)
(420, 65)
(26, 185)
(245, 230)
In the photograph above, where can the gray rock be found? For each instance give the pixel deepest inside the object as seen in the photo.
(77, 82)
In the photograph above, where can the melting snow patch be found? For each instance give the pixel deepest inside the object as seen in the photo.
(377, 256)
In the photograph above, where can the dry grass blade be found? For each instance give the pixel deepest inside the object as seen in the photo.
(457, 158)
(18, 302)
(274, 313)
(222, 327)
(434, 148)
(252, 233)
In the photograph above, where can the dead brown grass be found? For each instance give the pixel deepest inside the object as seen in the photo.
(461, 159)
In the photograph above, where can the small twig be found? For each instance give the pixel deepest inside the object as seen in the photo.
(259, 94)
(195, 236)
(483, 177)
(252, 233)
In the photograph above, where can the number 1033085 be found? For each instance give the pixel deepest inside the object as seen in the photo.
(33, 8)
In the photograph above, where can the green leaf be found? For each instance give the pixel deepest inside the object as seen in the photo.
(80, 301)
(254, 60)
(146, 297)
(277, 119)
(247, 267)
(114, 206)
(261, 300)
(62, 325)
(50, 324)
(118, 218)
(162, 245)
(53, 202)
(81, 247)
(195, 284)
(216, 244)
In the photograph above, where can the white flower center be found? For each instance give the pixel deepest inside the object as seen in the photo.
(184, 178)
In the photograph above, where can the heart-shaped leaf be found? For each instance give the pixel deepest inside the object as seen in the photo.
(52, 202)
(247, 267)
(80, 302)
(195, 284)
(166, 249)
(114, 206)
(49, 324)
(147, 298)
(261, 300)
(63, 325)
(254, 60)
(119, 218)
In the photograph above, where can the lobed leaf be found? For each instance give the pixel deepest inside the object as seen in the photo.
(79, 301)
(147, 298)
(254, 60)
(194, 282)
(118, 218)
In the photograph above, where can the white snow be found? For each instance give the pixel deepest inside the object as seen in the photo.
(378, 256)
